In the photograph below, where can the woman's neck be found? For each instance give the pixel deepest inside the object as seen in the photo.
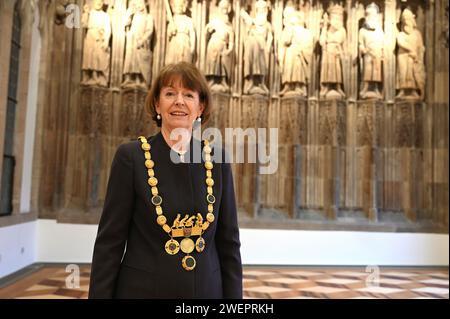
(179, 144)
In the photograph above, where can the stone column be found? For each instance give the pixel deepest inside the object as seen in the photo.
(220, 117)
(440, 126)
(390, 33)
(278, 192)
(118, 43)
(95, 116)
(253, 114)
(366, 120)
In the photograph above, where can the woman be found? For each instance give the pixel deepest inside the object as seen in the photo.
(178, 221)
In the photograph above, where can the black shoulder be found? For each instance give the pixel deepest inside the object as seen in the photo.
(129, 146)
(128, 149)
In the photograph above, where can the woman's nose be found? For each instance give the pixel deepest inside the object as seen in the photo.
(179, 99)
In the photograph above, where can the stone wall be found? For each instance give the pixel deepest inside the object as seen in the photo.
(347, 163)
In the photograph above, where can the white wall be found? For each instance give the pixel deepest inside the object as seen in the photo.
(74, 243)
(65, 242)
(17, 247)
(48, 241)
(291, 247)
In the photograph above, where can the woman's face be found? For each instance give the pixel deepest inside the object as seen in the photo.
(178, 106)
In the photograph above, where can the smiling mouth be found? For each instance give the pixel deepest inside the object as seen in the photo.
(178, 113)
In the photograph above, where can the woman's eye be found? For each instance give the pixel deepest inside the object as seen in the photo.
(169, 93)
(189, 95)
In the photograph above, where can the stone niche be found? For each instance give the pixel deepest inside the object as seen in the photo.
(362, 142)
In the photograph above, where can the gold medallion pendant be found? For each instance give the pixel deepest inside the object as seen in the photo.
(188, 262)
(187, 245)
(200, 244)
(172, 246)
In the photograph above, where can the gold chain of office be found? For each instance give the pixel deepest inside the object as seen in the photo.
(188, 226)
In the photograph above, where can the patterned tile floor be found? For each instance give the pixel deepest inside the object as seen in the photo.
(271, 282)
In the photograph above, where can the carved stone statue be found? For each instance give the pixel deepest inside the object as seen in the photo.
(410, 65)
(60, 10)
(371, 44)
(138, 55)
(296, 50)
(181, 46)
(96, 49)
(257, 46)
(332, 39)
(219, 48)
(288, 10)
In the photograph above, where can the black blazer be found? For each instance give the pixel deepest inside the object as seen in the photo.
(143, 269)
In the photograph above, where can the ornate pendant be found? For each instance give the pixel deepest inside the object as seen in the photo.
(187, 245)
(200, 244)
(188, 262)
(172, 246)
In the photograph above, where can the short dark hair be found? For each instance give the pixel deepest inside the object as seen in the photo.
(190, 77)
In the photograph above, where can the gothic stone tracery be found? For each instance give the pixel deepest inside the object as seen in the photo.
(317, 70)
